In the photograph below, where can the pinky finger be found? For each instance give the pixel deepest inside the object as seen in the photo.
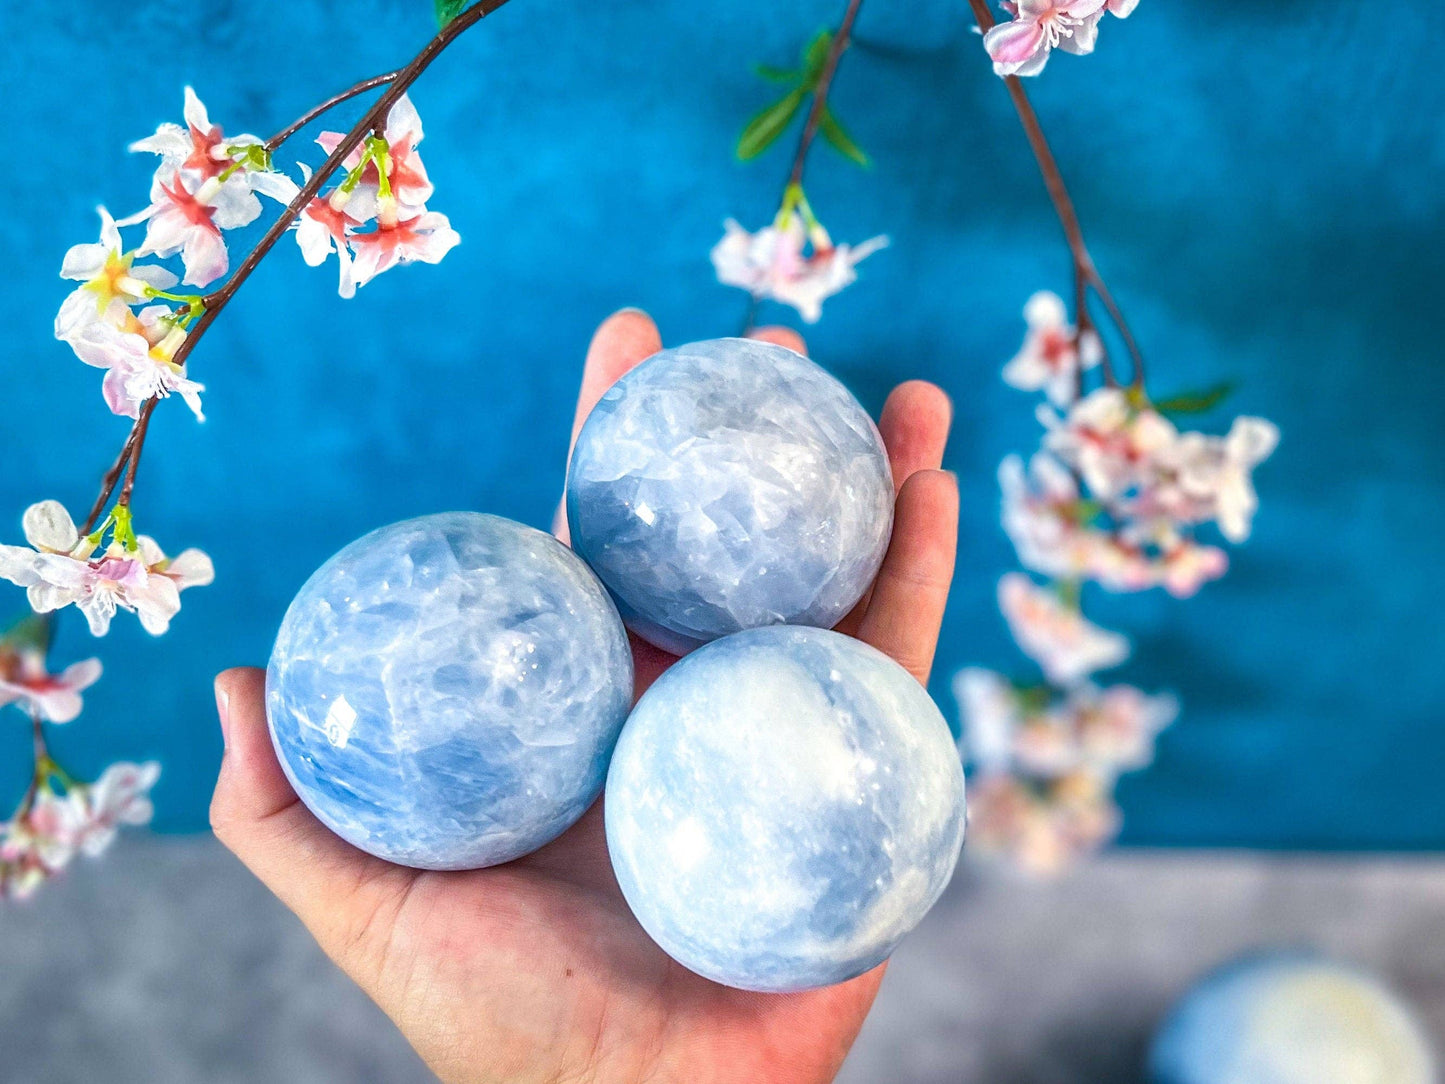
(905, 611)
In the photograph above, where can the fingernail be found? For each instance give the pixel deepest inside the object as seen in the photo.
(630, 310)
(223, 710)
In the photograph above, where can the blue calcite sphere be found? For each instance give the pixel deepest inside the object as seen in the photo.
(1290, 1019)
(445, 692)
(784, 805)
(726, 485)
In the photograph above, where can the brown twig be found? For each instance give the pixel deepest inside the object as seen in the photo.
(1086, 275)
(840, 43)
(111, 479)
(42, 756)
(397, 84)
(329, 104)
(142, 426)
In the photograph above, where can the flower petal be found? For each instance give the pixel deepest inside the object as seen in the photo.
(1014, 43)
(48, 526)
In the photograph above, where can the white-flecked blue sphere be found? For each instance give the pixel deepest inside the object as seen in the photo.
(784, 805)
(1290, 1019)
(727, 485)
(445, 692)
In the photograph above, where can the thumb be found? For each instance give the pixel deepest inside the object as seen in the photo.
(346, 898)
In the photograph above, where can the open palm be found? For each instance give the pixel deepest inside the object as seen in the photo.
(536, 971)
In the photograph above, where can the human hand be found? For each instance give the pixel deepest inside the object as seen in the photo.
(536, 971)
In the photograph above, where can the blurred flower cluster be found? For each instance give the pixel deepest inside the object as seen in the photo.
(1114, 496)
(59, 816)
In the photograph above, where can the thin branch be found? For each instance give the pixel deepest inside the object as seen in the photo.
(329, 104)
(111, 479)
(142, 426)
(42, 758)
(840, 43)
(1086, 275)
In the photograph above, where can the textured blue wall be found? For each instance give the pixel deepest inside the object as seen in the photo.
(1262, 184)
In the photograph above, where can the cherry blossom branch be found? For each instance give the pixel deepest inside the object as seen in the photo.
(1086, 275)
(214, 302)
(841, 40)
(329, 104)
(397, 84)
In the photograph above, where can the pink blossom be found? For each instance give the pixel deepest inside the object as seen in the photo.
(1050, 360)
(190, 222)
(198, 147)
(1201, 478)
(1111, 443)
(208, 158)
(139, 359)
(1046, 518)
(425, 237)
(206, 182)
(1043, 829)
(110, 282)
(1104, 732)
(320, 230)
(120, 796)
(406, 176)
(1022, 46)
(39, 842)
(1057, 636)
(1116, 727)
(48, 833)
(1187, 566)
(771, 264)
(25, 682)
(63, 568)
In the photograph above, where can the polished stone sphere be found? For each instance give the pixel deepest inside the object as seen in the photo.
(727, 485)
(784, 805)
(1290, 1019)
(445, 692)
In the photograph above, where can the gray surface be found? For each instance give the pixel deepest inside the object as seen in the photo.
(167, 964)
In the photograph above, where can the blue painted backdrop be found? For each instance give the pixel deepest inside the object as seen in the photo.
(1262, 184)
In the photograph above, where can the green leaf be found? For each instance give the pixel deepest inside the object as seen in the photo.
(777, 75)
(840, 140)
(815, 55)
(764, 129)
(1195, 402)
(447, 10)
(30, 633)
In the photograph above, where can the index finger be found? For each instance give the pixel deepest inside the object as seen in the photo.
(624, 339)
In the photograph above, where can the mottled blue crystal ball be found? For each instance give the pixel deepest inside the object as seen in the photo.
(784, 805)
(1290, 1018)
(445, 692)
(727, 485)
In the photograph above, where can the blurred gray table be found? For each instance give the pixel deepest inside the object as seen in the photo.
(167, 964)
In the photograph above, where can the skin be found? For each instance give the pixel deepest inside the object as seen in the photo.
(536, 972)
